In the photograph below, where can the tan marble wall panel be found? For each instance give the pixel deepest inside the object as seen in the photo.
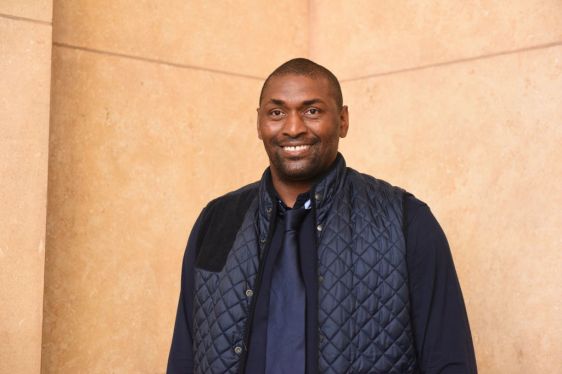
(25, 63)
(247, 37)
(137, 150)
(364, 37)
(39, 10)
(480, 143)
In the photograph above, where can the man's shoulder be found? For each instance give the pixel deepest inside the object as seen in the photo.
(412, 205)
(231, 207)
(238, 197)
(372, 183)
(219, 224)
(414, 210)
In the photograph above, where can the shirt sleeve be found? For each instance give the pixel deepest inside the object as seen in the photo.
(180, 359)
(441, 330)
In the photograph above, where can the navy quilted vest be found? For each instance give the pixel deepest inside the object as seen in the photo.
(364, 318)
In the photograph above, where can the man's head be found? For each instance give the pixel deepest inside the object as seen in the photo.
(300, 120)
(305, 67)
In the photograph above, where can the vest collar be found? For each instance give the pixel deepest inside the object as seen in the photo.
(330, 183)
(322, 191)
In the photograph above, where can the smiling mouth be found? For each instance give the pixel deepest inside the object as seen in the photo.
(296, 148)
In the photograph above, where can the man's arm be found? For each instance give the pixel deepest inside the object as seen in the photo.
(180, 359)
(441, 330)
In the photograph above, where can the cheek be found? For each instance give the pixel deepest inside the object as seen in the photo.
(267, 131)
(268, 140)
(263, 133)
(331, 136)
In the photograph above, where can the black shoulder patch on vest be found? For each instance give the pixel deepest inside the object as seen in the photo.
(221, 221)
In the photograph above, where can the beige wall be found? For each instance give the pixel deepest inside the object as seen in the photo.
(25, 69)
(461, 104)
(152, 115)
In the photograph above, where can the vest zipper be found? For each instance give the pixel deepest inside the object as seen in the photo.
(315, 350)
(257, 287)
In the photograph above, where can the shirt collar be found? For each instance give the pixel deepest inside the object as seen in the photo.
(303, 201)
(320, 193)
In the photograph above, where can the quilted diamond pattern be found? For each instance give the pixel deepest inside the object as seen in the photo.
(364, 310)
(221, 307)
(363, 299)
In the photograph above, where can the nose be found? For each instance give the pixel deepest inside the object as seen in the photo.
(294, 125)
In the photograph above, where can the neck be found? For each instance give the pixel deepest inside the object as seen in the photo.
(288, 192)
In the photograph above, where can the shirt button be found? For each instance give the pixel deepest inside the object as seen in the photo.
(238, 350)
(317, 197)
(262, 240)
(249, 293)
(319, 227)
(320, 279)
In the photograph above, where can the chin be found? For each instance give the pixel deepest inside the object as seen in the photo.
(297, 172)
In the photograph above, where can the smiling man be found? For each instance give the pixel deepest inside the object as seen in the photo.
(317, 268)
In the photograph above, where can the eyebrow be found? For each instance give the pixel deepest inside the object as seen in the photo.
(313, 101)
(305, 103)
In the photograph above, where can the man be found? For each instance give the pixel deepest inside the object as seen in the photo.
(317, 268)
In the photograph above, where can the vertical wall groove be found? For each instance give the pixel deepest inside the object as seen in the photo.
(25, 45)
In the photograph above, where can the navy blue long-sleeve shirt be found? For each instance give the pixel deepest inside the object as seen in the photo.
(440, 325)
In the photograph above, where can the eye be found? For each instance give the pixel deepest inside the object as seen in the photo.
(276, 113)
(313, 112)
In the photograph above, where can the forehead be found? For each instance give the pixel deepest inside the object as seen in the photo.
(297, 88)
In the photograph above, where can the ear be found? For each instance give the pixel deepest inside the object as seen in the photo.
(258, 123)
(344, 121)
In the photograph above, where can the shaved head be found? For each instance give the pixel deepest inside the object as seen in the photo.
(305, 67)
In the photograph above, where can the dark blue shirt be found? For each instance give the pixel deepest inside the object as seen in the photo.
(441, 331)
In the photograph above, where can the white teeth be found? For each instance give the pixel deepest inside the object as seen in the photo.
(292, 148)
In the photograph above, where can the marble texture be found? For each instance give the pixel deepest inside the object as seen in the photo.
(367, 37)
(137, 149)
(25, 48)
(247, 37)
(480, 143)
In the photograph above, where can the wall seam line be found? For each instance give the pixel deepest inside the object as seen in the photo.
(25, 19)
(309, 28)
(155, 61)
(454, 62)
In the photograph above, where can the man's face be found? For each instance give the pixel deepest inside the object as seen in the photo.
(300, 125)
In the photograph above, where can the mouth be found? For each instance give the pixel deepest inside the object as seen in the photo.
(296, 148)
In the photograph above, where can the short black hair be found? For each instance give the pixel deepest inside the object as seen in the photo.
(308, 68)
